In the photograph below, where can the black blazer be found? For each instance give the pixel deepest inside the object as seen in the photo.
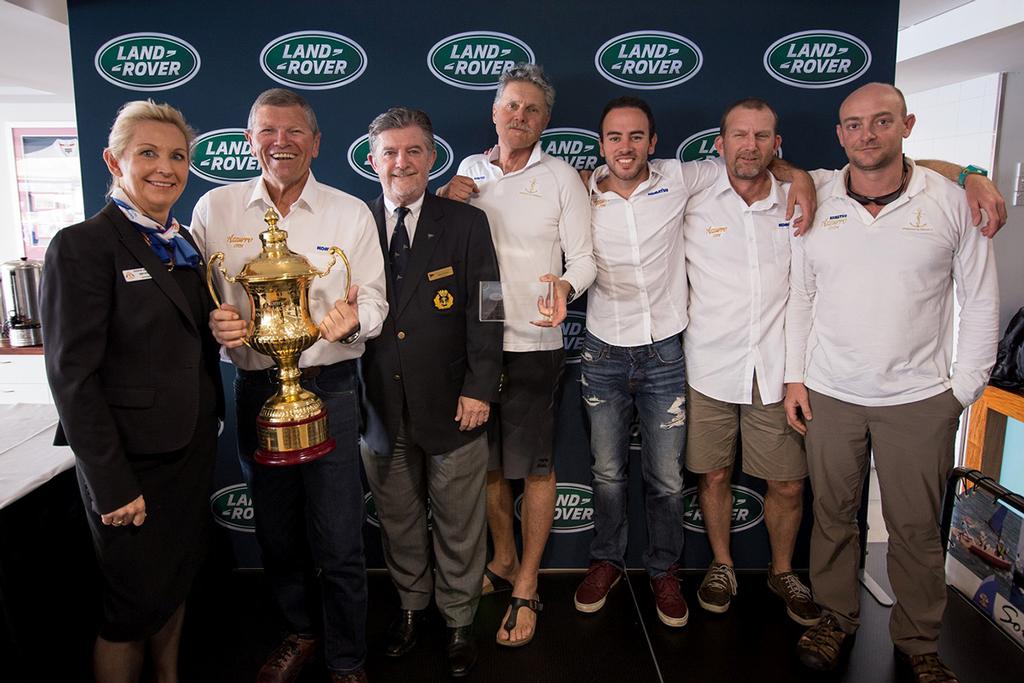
(433, 347)
(122, 357)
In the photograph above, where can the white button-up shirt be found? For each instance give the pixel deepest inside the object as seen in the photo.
(639, 296)
(870, 318)
(229, 219)
(737, 261)
(537, 214)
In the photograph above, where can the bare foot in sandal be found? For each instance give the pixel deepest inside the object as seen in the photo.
(520, 622)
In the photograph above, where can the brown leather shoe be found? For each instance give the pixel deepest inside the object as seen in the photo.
(285, 663)
(926, 668)
(357, 676)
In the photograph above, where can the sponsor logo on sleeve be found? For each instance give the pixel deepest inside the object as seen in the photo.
(747, 510)
(817, 59)
(313, 60)
(698, 146)
(224, 156)
(147, 61)
(475, 60)
(578, 147)
(574, 509)
(359, 152)
(232, 508)
(648, 60)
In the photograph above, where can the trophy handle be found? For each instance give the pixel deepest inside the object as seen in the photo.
(219, 258)
(335, 251)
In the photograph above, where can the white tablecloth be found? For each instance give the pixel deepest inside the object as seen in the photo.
(27, 457)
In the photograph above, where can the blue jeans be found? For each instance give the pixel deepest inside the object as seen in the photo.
(309, 518)
(651, 379)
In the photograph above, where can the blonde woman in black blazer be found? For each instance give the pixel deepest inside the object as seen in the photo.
(135, 376)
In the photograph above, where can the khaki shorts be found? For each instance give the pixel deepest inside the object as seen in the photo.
(771, 448)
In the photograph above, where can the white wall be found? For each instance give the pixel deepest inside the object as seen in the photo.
(15, 114)
(956, 122)
(1010, 240)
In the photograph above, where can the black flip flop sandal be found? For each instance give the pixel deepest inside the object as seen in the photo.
(513, 616)
(499, 584)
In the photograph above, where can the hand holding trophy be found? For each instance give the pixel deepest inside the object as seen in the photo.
(292, 425)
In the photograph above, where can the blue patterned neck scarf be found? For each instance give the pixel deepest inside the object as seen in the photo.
(172, 249)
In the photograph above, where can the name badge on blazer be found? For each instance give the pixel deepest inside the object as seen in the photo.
(136, 275)
(447, 271)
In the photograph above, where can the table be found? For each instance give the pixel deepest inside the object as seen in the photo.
(27, 457)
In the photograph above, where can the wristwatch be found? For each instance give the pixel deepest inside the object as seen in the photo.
(352, 338)
(970, 169)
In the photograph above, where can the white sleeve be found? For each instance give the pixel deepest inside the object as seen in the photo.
(198, 226)
(367, 262)
(701, 174)
(802, 289)
(977, 291)
(574, 233)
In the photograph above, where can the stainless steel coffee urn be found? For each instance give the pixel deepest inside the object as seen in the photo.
(20, 282)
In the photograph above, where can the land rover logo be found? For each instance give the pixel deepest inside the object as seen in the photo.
(373, 519)
(232, 508)
(359, 151)
(817, 59)
(574, 329)
(574, 509)
(577, 147)
(476, 59)
(698, 146)
(224, 156)
(313, 60)
(648, 60)
(747, 509)
(147, 61)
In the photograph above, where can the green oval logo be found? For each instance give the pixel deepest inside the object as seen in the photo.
(817, 59)
(231, 507)
(578, 147)
(698, 146)
(313, 60)
(223, 156)
(359, 153)
(574, 331)
(475, 60)
(147, 61)
(648, 60)
(747, 509)
(574, 509)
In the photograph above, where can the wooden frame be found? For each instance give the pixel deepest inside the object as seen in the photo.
(986, 428)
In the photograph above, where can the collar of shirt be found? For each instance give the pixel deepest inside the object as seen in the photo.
(412, 219)
(774, 197)
(601, 172)
(917, 183)
(307, 200)
(495, 154)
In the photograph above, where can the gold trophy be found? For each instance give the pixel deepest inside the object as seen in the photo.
(292, 425)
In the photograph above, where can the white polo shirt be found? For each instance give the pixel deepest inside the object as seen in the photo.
(230, 219)
(870, 319)
(537, 214)
(639, 296)
(737, 261)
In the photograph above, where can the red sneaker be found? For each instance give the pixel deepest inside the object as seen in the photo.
(669, 599)
(593, 590)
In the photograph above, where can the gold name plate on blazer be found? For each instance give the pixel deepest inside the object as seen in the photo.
(292, 424)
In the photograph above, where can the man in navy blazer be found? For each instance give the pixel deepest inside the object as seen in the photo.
(430, 378)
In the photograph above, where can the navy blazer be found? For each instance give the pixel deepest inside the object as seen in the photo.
(433, 347)
(123, 354)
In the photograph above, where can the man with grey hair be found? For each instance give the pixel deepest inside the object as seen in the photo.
(426, 415)
(539, 213)
(308, 516)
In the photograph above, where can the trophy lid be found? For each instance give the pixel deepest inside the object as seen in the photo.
(276, 261)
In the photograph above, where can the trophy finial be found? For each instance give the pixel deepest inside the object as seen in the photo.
(271, 218)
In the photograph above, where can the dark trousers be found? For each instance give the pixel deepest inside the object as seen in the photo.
(309, 518)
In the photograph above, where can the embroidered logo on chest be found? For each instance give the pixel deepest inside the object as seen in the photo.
(238, 241)
(716, 230)
(833, 222)
(531, 189)
(918, 222)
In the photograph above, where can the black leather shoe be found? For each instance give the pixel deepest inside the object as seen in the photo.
(402, 633)
(461, 651)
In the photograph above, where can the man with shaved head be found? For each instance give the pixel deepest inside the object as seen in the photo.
(869, 336)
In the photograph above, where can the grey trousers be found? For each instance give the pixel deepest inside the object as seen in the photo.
(913, 450)
(453, 541)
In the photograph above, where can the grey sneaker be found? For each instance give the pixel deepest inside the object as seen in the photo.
(800, 606)
(717, 588)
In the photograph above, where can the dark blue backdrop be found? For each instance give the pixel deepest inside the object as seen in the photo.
(353, 60)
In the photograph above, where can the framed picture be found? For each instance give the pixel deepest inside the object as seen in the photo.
(49, 181)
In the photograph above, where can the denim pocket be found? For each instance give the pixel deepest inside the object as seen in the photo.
(669, 351)
(593, 350)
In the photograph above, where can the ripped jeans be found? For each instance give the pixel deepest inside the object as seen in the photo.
(651, 379)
